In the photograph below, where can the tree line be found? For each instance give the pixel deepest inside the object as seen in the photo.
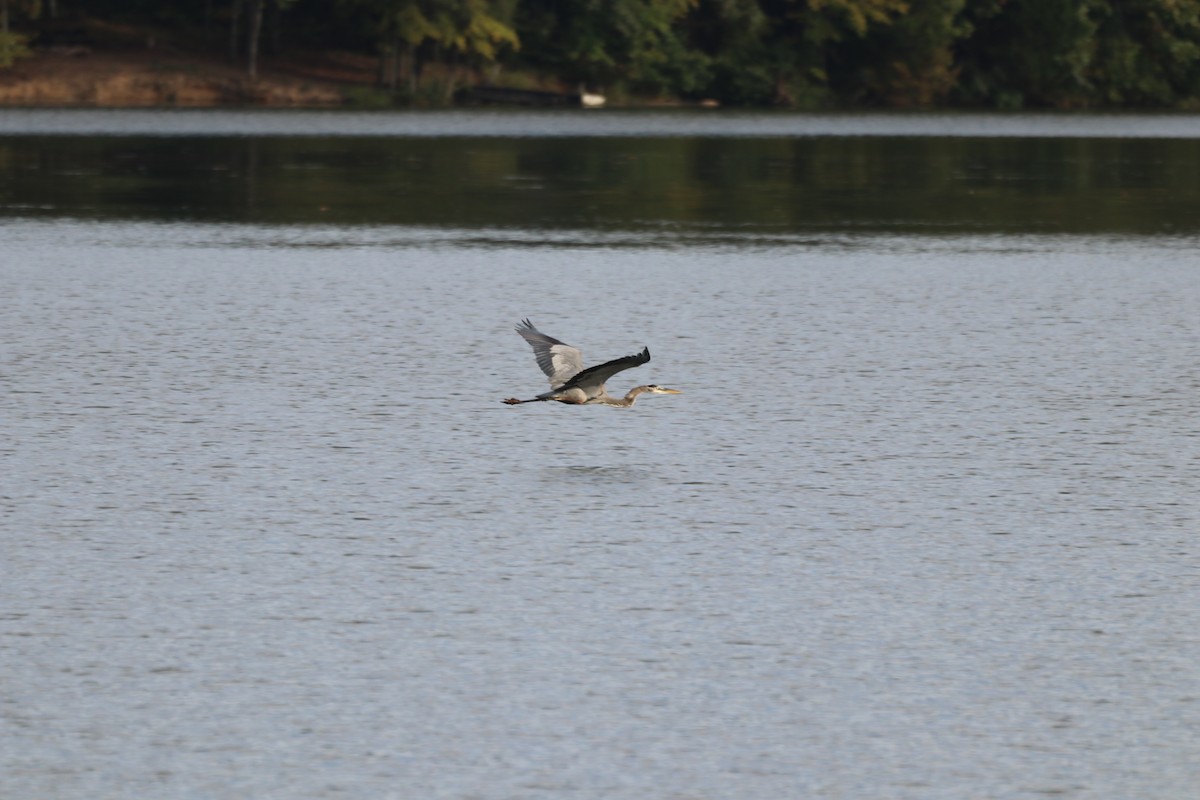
(792, 53)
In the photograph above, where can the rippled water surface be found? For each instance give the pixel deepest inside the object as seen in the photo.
(922, 525)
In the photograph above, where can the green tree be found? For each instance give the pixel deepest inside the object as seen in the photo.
(732, 33)
(1032, 52)
(910, 62)
(13, 45)
(1147, 52)
(641, 43)
(475, 31)
(788, 52)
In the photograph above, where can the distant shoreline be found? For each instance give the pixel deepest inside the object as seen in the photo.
(166, 77)
(81, 78)
(853, 55)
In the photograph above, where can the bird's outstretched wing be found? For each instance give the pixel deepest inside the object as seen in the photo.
(592, 379)
(558, 360)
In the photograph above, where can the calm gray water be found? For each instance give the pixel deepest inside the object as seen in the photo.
(593, 123)
(923, 524)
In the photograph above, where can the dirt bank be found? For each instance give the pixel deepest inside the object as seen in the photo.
(82, 76)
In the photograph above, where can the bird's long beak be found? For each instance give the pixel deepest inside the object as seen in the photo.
(670, 391)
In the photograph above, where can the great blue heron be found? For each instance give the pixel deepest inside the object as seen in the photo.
(571, 383)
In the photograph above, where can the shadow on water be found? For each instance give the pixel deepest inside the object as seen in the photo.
(592, 474)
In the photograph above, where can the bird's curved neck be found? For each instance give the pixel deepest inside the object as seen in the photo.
(632, 396)
(607, 399)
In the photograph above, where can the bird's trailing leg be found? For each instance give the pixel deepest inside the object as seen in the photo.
(570, 395)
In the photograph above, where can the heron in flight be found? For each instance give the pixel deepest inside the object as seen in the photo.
(571, 383)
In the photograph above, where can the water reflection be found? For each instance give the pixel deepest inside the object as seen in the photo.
(645, 187)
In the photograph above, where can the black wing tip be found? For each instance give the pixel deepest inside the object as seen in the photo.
(637, 358)
(525, 324)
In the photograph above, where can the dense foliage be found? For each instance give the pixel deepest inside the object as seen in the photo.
(1001, 53)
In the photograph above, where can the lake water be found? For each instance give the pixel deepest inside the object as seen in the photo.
(922, 525)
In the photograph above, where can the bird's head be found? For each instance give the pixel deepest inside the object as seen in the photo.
(655, 389)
